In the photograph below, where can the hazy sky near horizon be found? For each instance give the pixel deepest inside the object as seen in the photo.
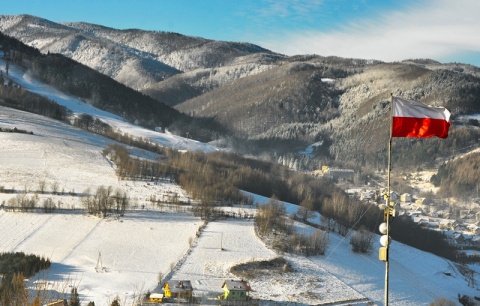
(388, 30)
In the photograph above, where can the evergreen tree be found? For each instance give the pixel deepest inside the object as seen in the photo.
(74, 298)
(116, 302)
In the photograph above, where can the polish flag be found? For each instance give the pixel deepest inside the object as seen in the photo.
(419, 120)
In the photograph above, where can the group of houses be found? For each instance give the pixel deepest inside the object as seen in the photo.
(462, 229)
(177, 290)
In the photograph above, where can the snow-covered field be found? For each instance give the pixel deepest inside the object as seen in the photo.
(133, 250)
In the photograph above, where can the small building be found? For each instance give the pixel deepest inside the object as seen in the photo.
(421, 221)
(156, 297)
(235, 290)
(367, 195)
(334, 173)
(346, 174)
(58, 303)
(420, 201)
(394, 196)
(406, 197)
(446, 224)
(178, 289)
(462, 240)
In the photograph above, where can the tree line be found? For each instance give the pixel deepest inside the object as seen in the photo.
(101, 91)
(272, 223)
(14, 268)
(18, 98)
(459, 178)
(128, 167)
(428, 152)
(106, 200)
(217, 178)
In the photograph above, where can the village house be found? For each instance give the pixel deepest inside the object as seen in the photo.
(235, 290)
(156, 297)
(416, 213)
(459, 227)
(446, 224)
(394, 196)
(474, 229)
(462, 241)
(367, 195)
(178, 289)
(476, 241)
(406, 197)
(420, 201)
(334, 173)
(434, 213)
(421, 220)
(353, 193)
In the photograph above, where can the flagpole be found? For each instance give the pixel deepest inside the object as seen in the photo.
(388, 208)
(417, 112)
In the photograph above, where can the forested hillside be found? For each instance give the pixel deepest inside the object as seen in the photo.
(94, 88)
(459, 178)
(253, 100)
(218, 177)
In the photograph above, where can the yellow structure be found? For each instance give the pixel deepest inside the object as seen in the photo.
(235, 290)
(178, 289)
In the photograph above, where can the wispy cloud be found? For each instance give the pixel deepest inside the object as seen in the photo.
(288, 8)
(437, 29)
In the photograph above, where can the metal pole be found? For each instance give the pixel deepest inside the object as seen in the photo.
(388, 208)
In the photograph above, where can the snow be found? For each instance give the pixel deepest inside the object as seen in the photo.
(221, 245)
(132, 251)
(421, 181)
(78, 107)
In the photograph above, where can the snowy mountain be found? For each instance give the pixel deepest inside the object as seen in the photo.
(78, 107)
(267, 104)
(136, 58)
(123, 257)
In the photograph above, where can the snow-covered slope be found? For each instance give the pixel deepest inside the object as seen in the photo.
(139, 59)
(77, 106)
(128, 253)
(136, 248)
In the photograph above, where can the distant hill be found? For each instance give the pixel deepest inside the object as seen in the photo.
(267, 104)
(139, 59)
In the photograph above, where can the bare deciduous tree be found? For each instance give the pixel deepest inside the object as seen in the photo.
(48, 205)
(442, 302)
(361, 241)
(318, 243)
(305, 211)
(41, 186)
(270, 216)
(55, 187)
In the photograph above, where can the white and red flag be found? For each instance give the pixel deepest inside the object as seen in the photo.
(419, 120)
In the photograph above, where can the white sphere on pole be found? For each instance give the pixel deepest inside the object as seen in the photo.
(385, 240)
(383, 228)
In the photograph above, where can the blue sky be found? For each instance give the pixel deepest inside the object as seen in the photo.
(388, 30)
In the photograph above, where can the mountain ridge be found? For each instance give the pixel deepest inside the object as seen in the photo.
(238, 85)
